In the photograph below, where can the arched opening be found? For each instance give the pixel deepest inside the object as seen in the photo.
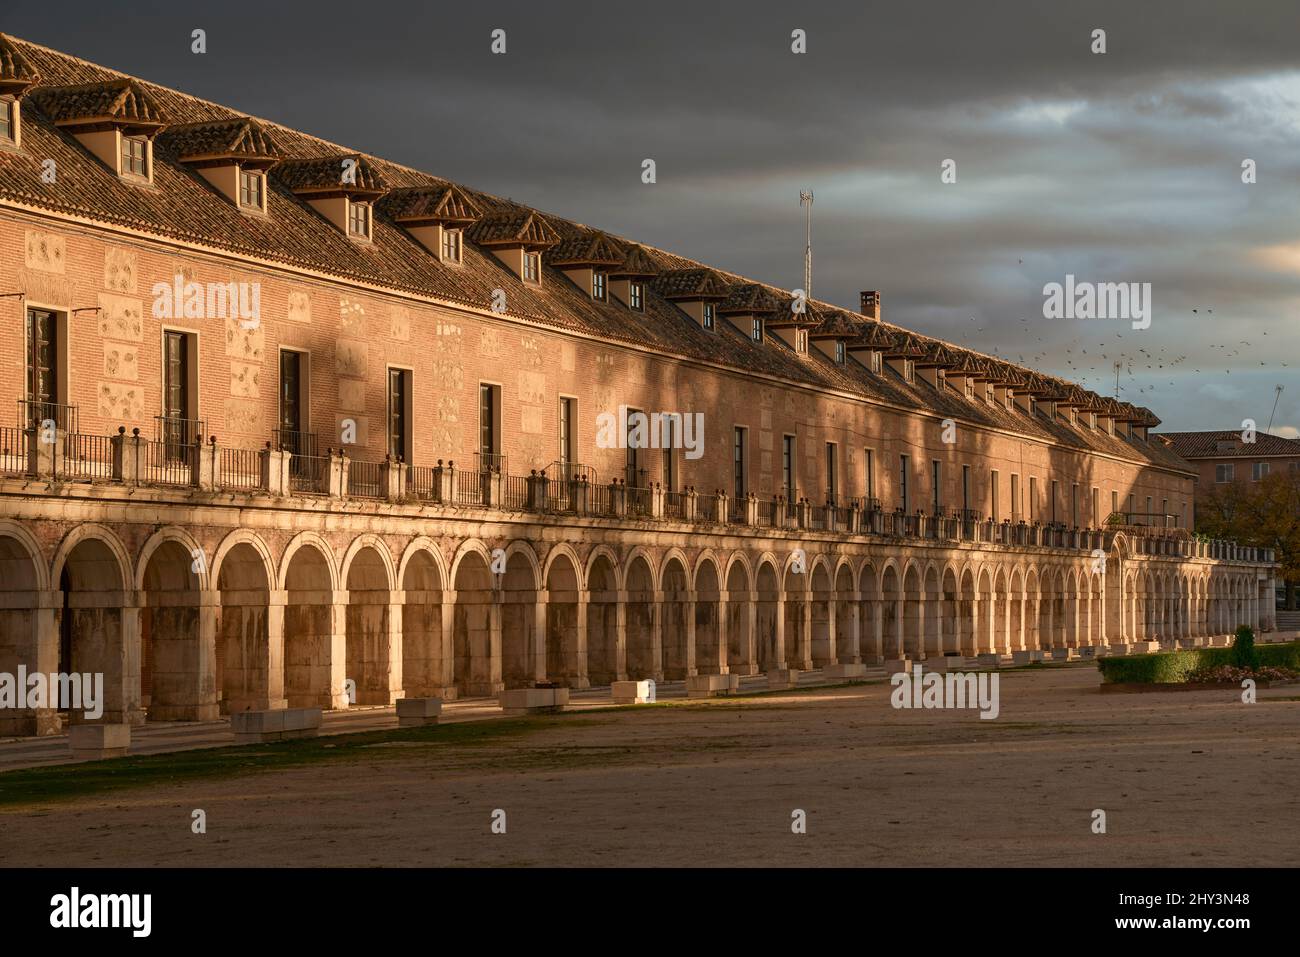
(369, 632)
(823, 651)
(243, 631)
(473, 671)
(891, 617)
(969, 614)
(176, 672)
(519, 623)
(846, 619)
(1015, 611)
(20, 635)
(602, 622)
(932, 611)
(740, 640)
(769, 608)
(93, 630)
(643, 657)
(1033, 640)
(797, 653)
(675, 630)
(950, 612)
(309, 632)
(710, 656)
(423, 658)
(999, 632)
(870, 646)
(564, 664)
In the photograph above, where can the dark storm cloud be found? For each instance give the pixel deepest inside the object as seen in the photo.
(1122, 167)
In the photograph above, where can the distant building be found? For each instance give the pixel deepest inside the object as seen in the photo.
(1224, 457)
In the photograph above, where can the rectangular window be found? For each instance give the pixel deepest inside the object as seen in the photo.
(708, 315)
(1223, 473)
(135, 149)
(42, 365)
(250, 189)
(970, 388)
(839, 351)
(832, 475)
(935, 484)
(6, 118)
(877, 363)
(787, 467)
(1259, 471)
(1015, 497)
(1164, 510)
(598, 286)
(1131, 507)
(1114, 501)
(451, 245)
(1054, 497)
(756, 329)
(904, 494)
(489, 440)
(965, 489)
(669, 455)
(399, 422)
(636, 296)
(1148, 512)
(1074, 504)
(739, 464)
(1096, 518)
(359, 220)
(532, 267)
(566, 430)
(291, 395)
(871, 470)
(632, 462)
(909, 370)
(179, 426)
(993, 496)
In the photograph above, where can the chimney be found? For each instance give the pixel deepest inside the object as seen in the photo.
(870, 303)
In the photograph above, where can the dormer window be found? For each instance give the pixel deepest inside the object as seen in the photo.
(451, 245)
(801, 341)
(756, 329)
(988, 394)
(1092, 420)
(7, 107)
(636, 295)
(940, 378)
(970, 388)
(358, 220)
(709, 314)
(252, 189)
(877, 363)
(598, 287)
(909, 370)
(532, 267)
(1009, 400)
(135, 153)
(839, 351)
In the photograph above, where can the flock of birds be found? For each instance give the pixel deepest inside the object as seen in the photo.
(1095, 366)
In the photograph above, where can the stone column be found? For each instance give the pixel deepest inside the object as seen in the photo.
(583, 676)
(690, 633)
(338, 652)
(447, 667)
(620, 635)
(539, 639)
(722, 633)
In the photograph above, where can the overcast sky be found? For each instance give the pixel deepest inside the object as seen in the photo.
(1116, 167)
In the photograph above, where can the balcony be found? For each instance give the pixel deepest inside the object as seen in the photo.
(177, 459)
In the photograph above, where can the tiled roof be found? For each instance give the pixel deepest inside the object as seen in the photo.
(836, 324)
(514, 227)
(180, 208)
(873, 336)
(637, 264)
(1229, 444)
(119, 101)
(16, 74)
(431, 204)
(318, 174)
(748, 299)
(241, 138)
(586, 249)
(939, 355)
(690, 284)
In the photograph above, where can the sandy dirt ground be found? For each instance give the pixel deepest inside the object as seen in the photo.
(1186, 779)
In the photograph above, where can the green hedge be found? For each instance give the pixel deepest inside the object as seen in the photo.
(1173, 667)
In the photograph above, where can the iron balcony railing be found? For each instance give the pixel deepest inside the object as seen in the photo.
(35, 414)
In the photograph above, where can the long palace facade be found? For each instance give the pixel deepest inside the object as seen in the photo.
(299, 426)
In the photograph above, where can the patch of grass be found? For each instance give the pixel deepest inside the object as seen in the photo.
(28, 786)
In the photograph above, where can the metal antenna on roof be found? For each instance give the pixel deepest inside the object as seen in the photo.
(1118, 366)
(806, 199)
(1277, 394)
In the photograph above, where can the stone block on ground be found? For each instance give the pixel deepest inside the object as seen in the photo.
(783, 678)
(709, 686)
(633, 692)
(519, 701)
(418, 712)
(840, 672)
(1026, 657)
(988, 662)
(97, 741)
(278, 724)
(895, 665)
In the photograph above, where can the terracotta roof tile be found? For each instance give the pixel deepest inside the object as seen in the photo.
(447, 205)
(690, 284)
(237, 138)
(1229, 444)
(514, 227)
(322, 174)
(16, 74)
(586, 249)
(636, 264)
(119, 101)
